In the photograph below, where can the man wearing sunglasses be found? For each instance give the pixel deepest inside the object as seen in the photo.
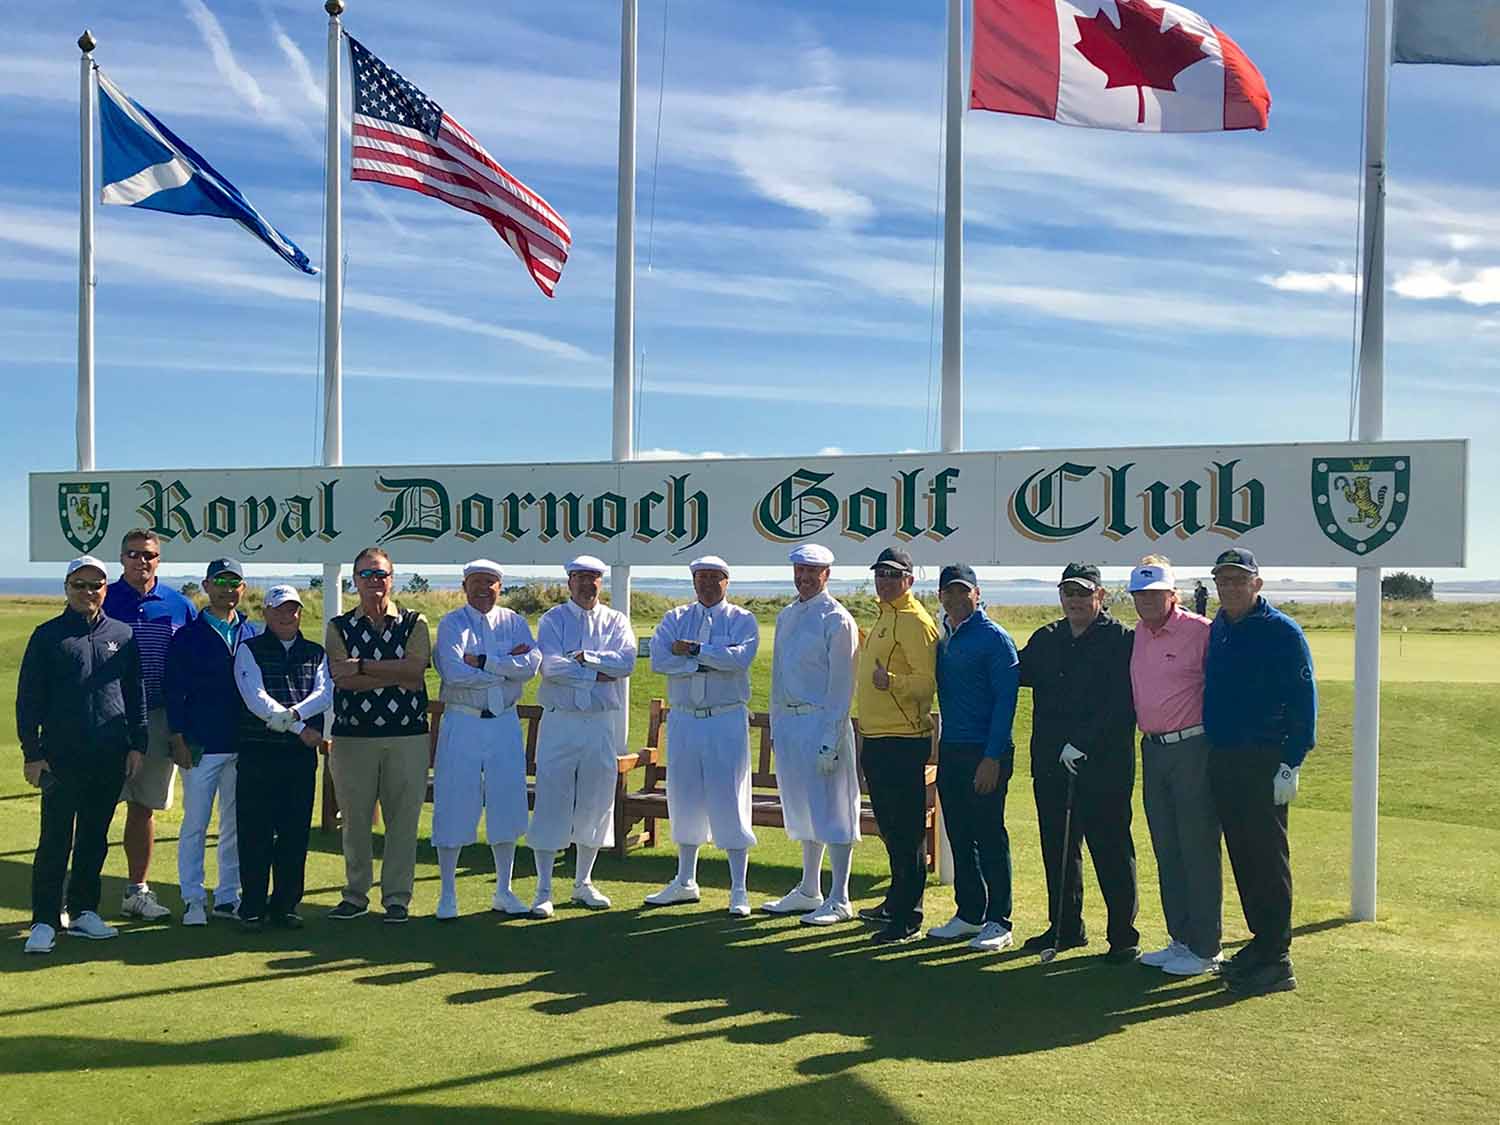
(202, 715)
(378, 655)
(154, 611)
(81, 714)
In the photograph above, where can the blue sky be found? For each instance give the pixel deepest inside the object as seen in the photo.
(1121, 289)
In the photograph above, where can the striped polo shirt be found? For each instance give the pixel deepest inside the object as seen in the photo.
(154, 616)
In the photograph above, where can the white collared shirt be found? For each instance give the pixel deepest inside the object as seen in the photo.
(607, 642)
(814, 660)
(503, 677)
(720, 673)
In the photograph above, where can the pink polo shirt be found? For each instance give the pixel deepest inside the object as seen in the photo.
(1166, 673)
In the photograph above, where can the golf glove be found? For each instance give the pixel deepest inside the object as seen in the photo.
(828, 761)
(1284, 786)
(1070, 757)
(280, 721)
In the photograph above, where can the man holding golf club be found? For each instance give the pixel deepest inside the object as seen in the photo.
(1083, 763)
(1260, 708)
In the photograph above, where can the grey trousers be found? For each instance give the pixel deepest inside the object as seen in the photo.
(1185, 836)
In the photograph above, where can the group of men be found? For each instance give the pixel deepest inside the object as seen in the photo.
(129, 686)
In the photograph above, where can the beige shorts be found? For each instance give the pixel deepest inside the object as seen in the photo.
(152, 784)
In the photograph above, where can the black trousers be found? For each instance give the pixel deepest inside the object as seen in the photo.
(1101, 816)
(76, 810)
(976, 830)
(274, 804)
(894, 769)
(1255, 835)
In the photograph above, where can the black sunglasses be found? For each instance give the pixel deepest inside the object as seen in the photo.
(889, 572)
(92, 585)
(149, 556)
(373, 572)
(229, 581)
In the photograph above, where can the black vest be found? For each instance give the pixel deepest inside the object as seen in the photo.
(289, 676)
(384, 712)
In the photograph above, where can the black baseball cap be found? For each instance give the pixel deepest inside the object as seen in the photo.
(893, 557)
(1238, 557)
(224, 566)
(1085, 574)
(961, 573)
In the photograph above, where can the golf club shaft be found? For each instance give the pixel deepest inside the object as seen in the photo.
(1062, 867)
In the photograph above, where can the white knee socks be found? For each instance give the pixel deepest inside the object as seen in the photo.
(448, 871)
(505, 861)
(543, 872)
(586, 858)
(687, 863)
(812, 868)
(739, 864)
(840, 857)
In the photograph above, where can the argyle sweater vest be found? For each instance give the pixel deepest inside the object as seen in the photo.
(384, 712)
(289, 676)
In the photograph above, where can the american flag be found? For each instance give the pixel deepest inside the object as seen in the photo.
(403, 138)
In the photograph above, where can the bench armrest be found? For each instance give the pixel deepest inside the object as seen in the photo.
(643, 757)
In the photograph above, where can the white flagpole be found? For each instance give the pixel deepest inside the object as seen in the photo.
(333, 292)
(84, 423)
(1365, 796)
(623, 443)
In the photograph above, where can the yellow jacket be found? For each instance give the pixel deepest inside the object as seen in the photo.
(904, 641)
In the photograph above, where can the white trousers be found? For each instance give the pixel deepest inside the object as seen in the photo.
(815, 806)
(708, 778)
(212, 777)
(576, 766)
(480, 766)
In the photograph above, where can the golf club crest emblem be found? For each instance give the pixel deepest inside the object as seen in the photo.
(1361, 502)
(83, 512)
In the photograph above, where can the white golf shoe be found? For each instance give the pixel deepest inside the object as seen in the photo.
(992, 938)
(447, 907)
(830, 913)
(143, 904)
(953, 929)
(739, 903)
(506, 902)
(1159, 957)
(795, 901)
(541, 906)
(674, 892)
(195, 915)
(90, 925)
(1189, 964)
(42, 939)
(586, 894)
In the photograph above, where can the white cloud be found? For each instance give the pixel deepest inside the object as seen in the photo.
(1431, 281)
(658, 454)
(240, 80)
(1293, 281)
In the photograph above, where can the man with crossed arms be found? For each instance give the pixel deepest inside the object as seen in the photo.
(705, 650)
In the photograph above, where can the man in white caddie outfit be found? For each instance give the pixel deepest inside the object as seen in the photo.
(588, 653)
(485, 655)
(705, 650)
(812, 683)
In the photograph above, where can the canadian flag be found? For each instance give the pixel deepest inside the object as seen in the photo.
(1141, 65)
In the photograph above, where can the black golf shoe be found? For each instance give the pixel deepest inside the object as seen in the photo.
(896, 933)
(1047, 940)
(1274, 976)
(1243, 962)
(1122, 954)
(876, 914)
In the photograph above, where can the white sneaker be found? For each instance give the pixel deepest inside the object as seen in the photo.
(1159, 957)
(506, 902)
(795, 901)
(591, 896)
(90, 925)
(447, 908)
(1189, 964)
(541, 906)
(739, 903)
(43, 938)
(674, 892)
(992, 938)
(143, 904)
(953, 929)
(195, 915)
(828, 914)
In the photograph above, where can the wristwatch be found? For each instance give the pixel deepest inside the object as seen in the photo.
(694, 648)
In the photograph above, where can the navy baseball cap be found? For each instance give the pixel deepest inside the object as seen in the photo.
(1238, 557)
(961, 573)
(1085, 574)
(893, 557)
(224, 566)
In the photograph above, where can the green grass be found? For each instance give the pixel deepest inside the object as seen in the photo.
(686, 1015)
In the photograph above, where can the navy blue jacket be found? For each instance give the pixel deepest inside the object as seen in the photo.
(978, 678)
(1258, 686)
(203, 705)
(80, 693)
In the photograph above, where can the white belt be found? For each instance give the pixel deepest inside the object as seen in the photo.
(710, 712)
(477, 712)
(798, 708)
(1172, 736)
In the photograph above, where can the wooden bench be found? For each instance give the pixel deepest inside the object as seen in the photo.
(649, 803)
(530, 716)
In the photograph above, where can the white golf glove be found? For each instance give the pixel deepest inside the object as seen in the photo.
(280, 721)
(1284, 786)
(828, 761)
(1070, 757)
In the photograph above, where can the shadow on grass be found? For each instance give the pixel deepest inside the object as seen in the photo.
(49, 1054)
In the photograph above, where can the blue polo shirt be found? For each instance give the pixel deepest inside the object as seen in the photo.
(153, 616)
(1258, 685)
(978, 677)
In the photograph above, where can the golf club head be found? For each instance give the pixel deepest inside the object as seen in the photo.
(1048, 955)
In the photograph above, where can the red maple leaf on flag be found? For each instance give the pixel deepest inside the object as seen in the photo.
(1138, 53)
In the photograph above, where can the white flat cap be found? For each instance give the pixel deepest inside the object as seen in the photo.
(585, 563)
(483, 566)
(811, 554)
(280, 595)
(709, 562)
(84, 561)
(1150, 576)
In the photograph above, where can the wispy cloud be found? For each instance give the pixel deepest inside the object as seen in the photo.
(1431, 281)
(1293, 281)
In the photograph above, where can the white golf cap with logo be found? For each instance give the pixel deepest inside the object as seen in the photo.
(84, 562)
(1151, 576)
(811, 554)
(483, 566)
(280, 595)
(587, 564)
(709, 562)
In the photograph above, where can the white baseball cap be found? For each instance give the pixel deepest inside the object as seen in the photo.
(83, 562)
(1151, 576)
(280, 595)
(811, 554)
(483, 566)
(587, 563)
(709, 562)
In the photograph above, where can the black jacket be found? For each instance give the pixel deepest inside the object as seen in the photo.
(1080, 693)
(80, 693)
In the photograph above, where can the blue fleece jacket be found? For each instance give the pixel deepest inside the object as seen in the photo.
(203, 704)
(978, 676)
(1258, 686)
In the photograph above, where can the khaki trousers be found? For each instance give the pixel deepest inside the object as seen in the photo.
(392, 770)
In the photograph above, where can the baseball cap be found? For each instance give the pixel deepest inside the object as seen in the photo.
(483, 566)
(86, 561)
(811, 554)
(585, 563)
(1238, 557)
(709, 562)
(961, 573)
(1085, 574)
(280, 595)
(893, 557)
(1151, 576)
(224, 566)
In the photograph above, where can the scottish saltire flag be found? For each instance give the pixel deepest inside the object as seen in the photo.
(1461, 32)
(148, 165)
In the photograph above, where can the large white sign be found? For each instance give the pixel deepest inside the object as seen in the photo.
(1340, 504)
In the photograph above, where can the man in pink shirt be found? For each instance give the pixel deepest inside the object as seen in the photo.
(1166, 677)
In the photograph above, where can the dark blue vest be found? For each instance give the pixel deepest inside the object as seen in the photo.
(290, 676)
